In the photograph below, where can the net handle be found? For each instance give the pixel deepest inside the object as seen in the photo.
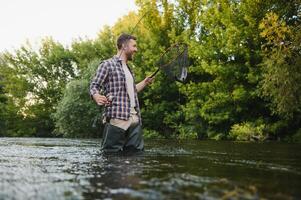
(154, 74)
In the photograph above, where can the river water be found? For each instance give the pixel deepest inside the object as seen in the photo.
(39, 168)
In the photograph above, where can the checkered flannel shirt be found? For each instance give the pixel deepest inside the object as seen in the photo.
(110, 81)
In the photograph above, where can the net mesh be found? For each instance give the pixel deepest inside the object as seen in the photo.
(174, 62)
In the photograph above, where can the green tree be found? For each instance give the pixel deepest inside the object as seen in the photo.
(281, 65)
(243, 82)
(76, 112)
(35, 80)
(85, 51)
(225, 50)
(160, 101)
(3, 109)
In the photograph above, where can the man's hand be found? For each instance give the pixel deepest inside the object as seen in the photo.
(148, 80)
(145, 82)
(101, 100)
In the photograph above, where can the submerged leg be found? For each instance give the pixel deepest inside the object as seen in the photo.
(134, 141)
(113, 138)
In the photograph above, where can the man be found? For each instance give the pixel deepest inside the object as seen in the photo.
(118, 94)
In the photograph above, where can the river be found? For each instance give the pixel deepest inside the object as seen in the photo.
(55, 168)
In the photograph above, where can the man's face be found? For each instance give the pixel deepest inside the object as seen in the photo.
(130, 49)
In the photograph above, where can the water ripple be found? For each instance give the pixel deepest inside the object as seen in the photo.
(50, 168)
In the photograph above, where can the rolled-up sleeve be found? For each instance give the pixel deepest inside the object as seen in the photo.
(99, 78)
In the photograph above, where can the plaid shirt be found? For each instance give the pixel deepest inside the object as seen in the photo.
(110, 81)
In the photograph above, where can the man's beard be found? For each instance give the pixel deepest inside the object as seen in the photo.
(129, 56)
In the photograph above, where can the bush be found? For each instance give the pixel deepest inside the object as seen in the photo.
(187, 132)
(76, 111)
(151, 134)
(248, 131)
(297, 136)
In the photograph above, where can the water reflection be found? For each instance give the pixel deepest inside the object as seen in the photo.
(33, 168)
(114, 176)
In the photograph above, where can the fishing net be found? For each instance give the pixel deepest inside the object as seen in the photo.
(174, 62)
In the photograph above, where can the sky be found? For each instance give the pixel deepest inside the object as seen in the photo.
(63, 20)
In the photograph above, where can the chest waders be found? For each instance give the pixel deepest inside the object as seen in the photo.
(116, 139)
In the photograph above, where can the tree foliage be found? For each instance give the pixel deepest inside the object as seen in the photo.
(243, 83)
(281, 65)
(75, 113)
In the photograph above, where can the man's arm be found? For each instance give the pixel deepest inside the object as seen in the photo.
(97, 82)
(140, 86)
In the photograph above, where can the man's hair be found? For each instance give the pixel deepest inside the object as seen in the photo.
(123, 38)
